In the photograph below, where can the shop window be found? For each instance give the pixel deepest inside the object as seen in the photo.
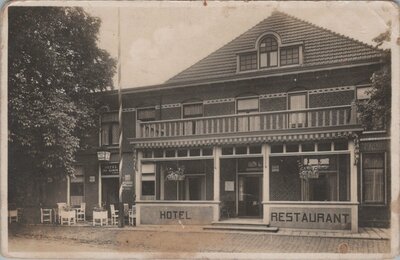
(182, 153)
(148, 181)
(241, 150)
(248, 61)
(158, 153)
(292, 148)
(256, 149)
(227, 150)
(195, 188)
(373, 176)
(207, 151)
(308, 147)
(277, 148)
(268, 51)
(290, 55)
(341, 145)
(146, 114)
(324, 146)
(194, 152)
(77, 186)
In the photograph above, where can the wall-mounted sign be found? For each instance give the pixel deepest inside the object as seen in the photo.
(110, 169)
(92, 178)
(275, 168)
(229, 186)
(315, 218)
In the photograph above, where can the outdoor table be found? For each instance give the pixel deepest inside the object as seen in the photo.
(69, 215)
(100, 216)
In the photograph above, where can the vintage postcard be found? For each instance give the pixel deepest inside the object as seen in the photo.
(200, 129)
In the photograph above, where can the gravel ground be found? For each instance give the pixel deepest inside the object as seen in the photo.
(79, 239)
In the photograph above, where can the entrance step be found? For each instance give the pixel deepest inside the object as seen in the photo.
(241, 227)
(239, 223)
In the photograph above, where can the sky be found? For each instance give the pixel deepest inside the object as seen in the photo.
(160, 39)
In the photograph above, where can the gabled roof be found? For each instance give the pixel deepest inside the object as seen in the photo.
(322, 48)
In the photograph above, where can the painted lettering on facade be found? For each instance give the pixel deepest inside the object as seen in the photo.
(310, 217)
(174, 214)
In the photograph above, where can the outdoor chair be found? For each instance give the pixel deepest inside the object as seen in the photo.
(80, 212)
(67, 217)
(132, 216)
(114, 215)
(12, 215)
(45, 215)
(61, 207)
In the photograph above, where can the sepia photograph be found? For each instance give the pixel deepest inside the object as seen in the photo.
(200, 129)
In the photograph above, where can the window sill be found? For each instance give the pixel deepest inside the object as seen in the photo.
(373, 205)
(269, 68)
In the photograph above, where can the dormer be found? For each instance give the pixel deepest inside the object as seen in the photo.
(268, 53)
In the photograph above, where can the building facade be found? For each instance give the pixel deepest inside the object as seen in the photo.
(265, 127)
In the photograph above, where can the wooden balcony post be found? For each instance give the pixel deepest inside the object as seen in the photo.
(353, 186)
(138, 183)
(217, 153)
(353, 113)
(138, 129)
(266, 148)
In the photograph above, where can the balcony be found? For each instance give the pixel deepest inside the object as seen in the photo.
(265, 122)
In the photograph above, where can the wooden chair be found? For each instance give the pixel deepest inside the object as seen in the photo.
(67, 217)
(12, 215)
(132, 216)
(45, 215)
(114, 215)
(61, 207)
(80, 212)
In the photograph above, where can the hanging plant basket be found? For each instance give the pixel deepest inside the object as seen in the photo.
(175, 174)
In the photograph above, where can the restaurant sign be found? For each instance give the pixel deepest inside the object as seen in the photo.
(110, 169)
(313, 218)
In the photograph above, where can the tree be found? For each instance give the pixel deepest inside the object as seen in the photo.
(55, 70)
(375, 112)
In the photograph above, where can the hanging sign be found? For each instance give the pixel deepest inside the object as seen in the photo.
(110, 169)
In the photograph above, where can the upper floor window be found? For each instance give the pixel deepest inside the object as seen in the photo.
(193, 110)
(247, 105)
(268, 52)
(289, 55)
(248, 61)
(109, 129)
(146, 114)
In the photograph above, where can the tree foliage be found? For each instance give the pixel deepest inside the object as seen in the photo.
(55, 68)
(375, 112)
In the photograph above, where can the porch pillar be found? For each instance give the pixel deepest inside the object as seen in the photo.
(266, 149)
(138, 184)
(217, 153)
(353, 187)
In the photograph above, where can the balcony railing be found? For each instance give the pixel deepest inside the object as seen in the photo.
(251, 122)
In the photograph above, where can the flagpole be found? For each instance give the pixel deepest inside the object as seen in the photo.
(121, 206)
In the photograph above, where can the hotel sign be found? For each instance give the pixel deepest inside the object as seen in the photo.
(313, 218)
(110, 169)
(176, 215)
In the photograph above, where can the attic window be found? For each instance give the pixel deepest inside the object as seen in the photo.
(248, 61)
(268, 51)
(290, 55)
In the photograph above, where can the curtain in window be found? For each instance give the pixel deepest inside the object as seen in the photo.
(247, 105)
(146, 114)
(105, 133)
(297, 102)
(115, 134)
(193, 110)
(373, 178)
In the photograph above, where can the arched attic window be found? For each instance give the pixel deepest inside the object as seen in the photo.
(268, 51)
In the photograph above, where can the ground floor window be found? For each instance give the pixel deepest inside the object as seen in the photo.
(196, 182)
(76, 186)
(373, 177)
(310, 178)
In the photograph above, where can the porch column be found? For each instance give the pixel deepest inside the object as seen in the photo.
(266, 149)
(353, 187)
(138, 184)
(217, 153)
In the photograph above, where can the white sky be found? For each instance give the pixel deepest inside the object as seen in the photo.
(160, 39)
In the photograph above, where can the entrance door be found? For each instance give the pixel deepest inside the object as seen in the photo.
(109, 191)
(250, 194)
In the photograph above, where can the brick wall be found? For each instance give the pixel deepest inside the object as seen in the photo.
(226, 108)
(272, 104)
(338, 98)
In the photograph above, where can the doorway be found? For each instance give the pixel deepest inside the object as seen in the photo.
(249, 195)
(109, 192)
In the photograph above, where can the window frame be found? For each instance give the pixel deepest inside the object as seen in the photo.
(362, 200)
(110, 140)
(149, 176)
(290, 47)
(248, 111)
(138, 110)
(242, 55)
(77, 182)
(192, 104)
(259, 52)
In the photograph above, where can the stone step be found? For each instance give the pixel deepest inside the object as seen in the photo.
(255, 228)
(244, 223)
